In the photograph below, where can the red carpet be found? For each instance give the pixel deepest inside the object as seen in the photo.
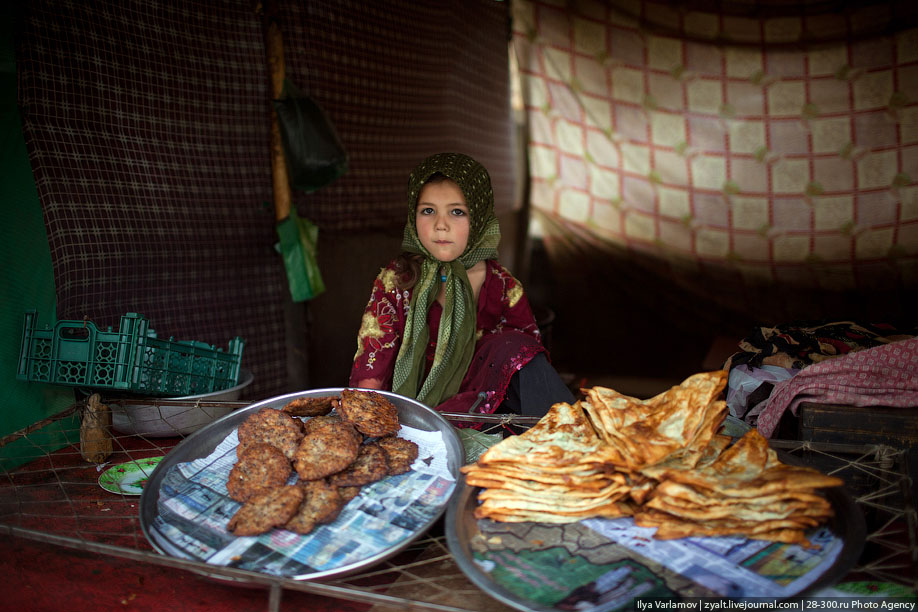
(38, 577)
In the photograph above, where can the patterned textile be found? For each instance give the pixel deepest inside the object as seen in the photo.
(881, 376)
(401, 80)
(507, 334)
(147, 128)
(456, 337)
(772, 156)
(802, 344)
(475, 182)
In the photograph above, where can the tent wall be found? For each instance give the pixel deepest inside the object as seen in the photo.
(699, 169)
(147, 131)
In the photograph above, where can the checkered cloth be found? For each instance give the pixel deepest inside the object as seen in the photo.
(881, 376)
(729, 150)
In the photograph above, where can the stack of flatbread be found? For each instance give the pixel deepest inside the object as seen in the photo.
(672, 428)
(660, 460)
(556, 472)
(745, 490)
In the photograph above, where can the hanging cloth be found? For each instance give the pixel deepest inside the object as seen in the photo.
(298, 238)
(314, 154)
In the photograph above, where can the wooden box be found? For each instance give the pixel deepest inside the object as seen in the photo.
(896, 427)
(831, 426)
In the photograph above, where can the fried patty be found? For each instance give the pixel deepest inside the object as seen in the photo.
(348, 493)
(321, 504)
(316, 423)
(273, 427)
(400, 453)
(371, 413)
(272, 508)
(319, 421)
(261, 466)
(326, 450)
(369, 466)
(310, 406)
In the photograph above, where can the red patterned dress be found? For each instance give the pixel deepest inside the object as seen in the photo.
(507, 337)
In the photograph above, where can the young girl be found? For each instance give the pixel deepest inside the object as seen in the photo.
(446, 323)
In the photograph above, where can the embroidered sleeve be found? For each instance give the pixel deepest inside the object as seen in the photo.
(516, 312)
(380, 331)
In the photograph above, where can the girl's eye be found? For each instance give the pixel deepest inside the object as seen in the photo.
(458, 212)
(425, 211)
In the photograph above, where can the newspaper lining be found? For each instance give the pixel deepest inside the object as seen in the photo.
(732, 566)
(602, 565)
(194, 508)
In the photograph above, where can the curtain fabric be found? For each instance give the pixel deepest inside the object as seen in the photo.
(147, 130)
(756, 160)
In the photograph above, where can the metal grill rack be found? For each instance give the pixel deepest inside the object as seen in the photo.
(48, 493)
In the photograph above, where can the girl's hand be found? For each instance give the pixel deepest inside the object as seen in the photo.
(369, 383)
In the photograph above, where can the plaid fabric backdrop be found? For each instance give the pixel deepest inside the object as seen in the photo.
(754, 161)
(401, 81)
(147, 127)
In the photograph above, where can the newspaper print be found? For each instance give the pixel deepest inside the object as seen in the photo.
(605, 564)
(731, 566)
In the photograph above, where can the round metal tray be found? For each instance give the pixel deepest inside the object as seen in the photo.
(203, 442)
(462, 530)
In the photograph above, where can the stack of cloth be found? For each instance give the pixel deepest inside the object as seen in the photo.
(885, 375)
(770, 357)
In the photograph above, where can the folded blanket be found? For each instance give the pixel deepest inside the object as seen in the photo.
(881, 376)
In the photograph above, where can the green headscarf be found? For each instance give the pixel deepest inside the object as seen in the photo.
(456, 337)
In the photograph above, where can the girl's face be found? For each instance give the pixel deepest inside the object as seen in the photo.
(442, 219)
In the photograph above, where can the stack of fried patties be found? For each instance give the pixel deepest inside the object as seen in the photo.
(333, 455)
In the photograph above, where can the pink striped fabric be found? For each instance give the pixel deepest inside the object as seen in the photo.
(881, 376)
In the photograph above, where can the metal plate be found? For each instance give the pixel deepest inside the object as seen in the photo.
(463, 531)
(203, 442)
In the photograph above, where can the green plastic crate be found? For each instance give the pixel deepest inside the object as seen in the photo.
(78, 354)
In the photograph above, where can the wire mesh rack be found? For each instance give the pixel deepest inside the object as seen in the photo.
(50, 494)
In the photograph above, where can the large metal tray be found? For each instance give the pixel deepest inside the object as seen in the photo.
(463, 530)
(203, 442)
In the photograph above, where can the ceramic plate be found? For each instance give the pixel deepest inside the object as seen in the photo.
(128, 478)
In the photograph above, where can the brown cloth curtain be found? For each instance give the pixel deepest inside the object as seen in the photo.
(147, 128)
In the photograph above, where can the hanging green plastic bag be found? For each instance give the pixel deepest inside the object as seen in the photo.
(298, 240)
(314, 154)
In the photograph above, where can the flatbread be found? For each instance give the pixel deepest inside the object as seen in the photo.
(661, 460)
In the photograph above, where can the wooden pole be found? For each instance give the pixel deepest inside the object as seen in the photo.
(274, 48)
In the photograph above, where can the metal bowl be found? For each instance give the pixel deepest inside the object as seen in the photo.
(158, 420)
